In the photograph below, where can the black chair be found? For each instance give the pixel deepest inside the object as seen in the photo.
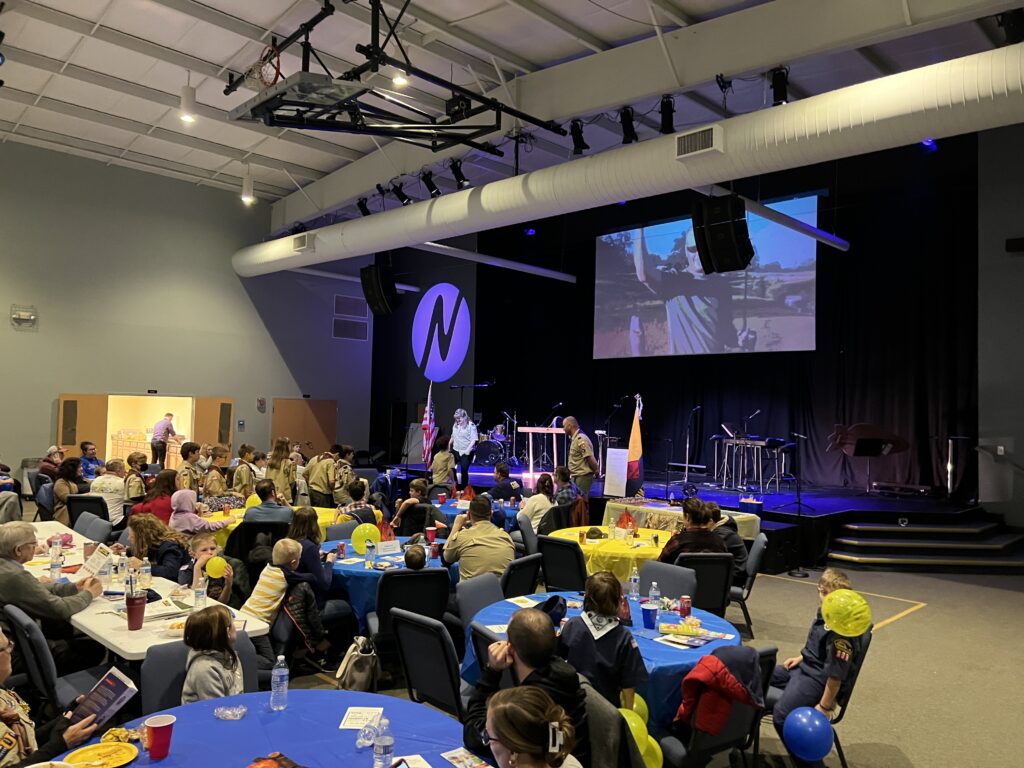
(565, 568)
(242, 541)
(482, 637)
(424, 592)
(475, 594)
(429, 661)
(742, 594)
(555, 519)
(84, 502)
(37, 480)
(521, 576)
(673, 580)
(340, 531)
(529, 535)
(714, 579)
(438, 488)
(414, 520)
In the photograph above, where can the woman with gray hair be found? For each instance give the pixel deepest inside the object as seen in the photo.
(462, 444)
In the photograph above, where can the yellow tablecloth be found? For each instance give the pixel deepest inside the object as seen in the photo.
(324, 515)
(617, 555)
(650, 513)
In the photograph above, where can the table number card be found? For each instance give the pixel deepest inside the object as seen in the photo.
(389, 547)
(414, 761)
(356, 717)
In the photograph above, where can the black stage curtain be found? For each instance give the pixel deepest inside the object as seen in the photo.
(896, 326)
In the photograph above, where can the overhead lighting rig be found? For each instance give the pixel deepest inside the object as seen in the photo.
(313, 101)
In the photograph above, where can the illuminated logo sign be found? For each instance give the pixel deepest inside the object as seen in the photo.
(440, 332)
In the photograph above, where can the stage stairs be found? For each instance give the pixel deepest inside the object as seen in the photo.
(969, 539)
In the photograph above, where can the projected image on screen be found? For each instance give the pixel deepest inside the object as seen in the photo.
(652, 298)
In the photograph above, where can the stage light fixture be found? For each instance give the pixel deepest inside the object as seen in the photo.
(399, 80)
(667, 109)
(460, 178)
(929, 145)
(576, 131)
(363, 207)
(187, 107)
(400, 196)
(628, 129)
(780, 85)
(248, 193)
(428, 181)
(529, 231)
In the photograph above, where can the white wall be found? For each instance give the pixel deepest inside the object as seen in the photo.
(132, 278)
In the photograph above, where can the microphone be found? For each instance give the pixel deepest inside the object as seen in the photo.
(625, 397)
(696, 408)
(507, 416)
(556, 405)
(797, 434)
(754, 414)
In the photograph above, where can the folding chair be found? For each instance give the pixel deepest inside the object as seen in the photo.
(529, 535)
(714, 579)
(428, 660)
(673, 580)
(521, 576)
(565, 569)
(742, 594)
(85, 502)
(340, 531)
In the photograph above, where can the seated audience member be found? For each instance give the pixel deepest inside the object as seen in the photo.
(566, 491)
(244, 481)
(696, 535)
(166, 549)
(158, 499)
(92, 465)
(818, 674)
(201, 548)
(68, 477)
(10, 505)
(281, 470)
(503, 488)
(526, 729)
(345, 476)
(190, 473)
(542, 500)
(187, 521)
(601, 649)
(358, 509)
(418, 495)
(415, 557)
(530, 653)
(477, 545)
(725, 527)
(442, 466)
(259, 463)
(213, 669)
(305, 529)
(271, 509)
(215, 487)
(134, 484)
(51, 463)
(21, 743)
(321, 475)
(110, 485)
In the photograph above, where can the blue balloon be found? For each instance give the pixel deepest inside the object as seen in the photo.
(807, 734)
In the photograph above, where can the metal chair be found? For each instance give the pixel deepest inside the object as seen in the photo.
(429, 661)
(565, 568)
(521, 576)
(529, 535)
(340, 531)
(673, 580)
(714, 579)
(741, 594)
(85, 502)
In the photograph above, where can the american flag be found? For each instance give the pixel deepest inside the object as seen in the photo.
(429, 427)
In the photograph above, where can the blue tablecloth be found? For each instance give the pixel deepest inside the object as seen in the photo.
(361, 582)
(307, 731)
(666, 666)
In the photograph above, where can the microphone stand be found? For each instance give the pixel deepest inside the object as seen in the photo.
(463, 387)
(686, 457)
(798, 572)
(668, 460)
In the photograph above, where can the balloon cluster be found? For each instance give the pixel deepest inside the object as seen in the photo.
(636, 719)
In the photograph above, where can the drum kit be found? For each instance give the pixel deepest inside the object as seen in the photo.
(496, 446)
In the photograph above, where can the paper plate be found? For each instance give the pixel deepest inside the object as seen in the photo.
(109, 755)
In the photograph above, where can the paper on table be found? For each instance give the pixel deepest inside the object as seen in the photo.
(351, 560)
(499, 629)
(414, 761)
(522, 602)
(682, 641)
(463, 758)
(356, 717)
(389, 547)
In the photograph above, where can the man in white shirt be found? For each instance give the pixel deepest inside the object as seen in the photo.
(111, 487)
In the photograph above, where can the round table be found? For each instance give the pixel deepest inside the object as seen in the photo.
(666, 665)
(324, 516)
(307, 731)
(619, 556)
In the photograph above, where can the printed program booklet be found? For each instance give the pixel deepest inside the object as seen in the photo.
(105, 698)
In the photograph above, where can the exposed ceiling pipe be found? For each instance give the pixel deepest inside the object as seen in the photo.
(973, 93)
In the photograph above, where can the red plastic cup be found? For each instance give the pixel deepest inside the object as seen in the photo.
(442, 498)
(435, 551)
(160, 728)
(431, 534)
(136, 609)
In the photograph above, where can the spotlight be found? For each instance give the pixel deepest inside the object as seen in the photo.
(248, 194)
(628, 129)
(929, 145)
(576, 131)
(428, 181)
(399, 80)
(400, 196)
(2, 58)
(529, 231)
(187, 108)
(1012, 23)
(667, 110)
(363, 207)
(780, 85)
(460, 178)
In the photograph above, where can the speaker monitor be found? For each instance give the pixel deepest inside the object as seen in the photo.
(720, 231)
(379, 289)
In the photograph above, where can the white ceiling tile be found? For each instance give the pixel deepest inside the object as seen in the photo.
(113, 60)
(82, 129)
(149, 146)
(264, 12)
(149, 21)
(203, 159)
(45, 39)
(83, 9)
(10, 111)
(83, 94)
(24, 78)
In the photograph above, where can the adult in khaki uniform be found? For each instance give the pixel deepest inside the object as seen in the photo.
(281, 469)
(346, 475)
(189, 472)
(244, 481)
(478, 545)
(582, 464)
(322, 476)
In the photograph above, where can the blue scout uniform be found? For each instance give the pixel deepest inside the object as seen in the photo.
(505, 490)
(608, 656)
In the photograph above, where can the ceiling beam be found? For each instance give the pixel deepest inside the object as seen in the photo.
(172, 100)
(564, 26)
(872, 57)
(680, 18)
(734, 44)
(142, 129)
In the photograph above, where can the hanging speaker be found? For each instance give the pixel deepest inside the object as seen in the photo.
(379, 289)
(720, 232)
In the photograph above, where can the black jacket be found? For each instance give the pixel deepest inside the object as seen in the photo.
(734, 543)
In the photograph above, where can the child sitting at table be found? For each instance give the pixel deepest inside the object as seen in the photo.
(203, 547)
(213, 669)
(268, 594)
(600, 648)
(415, 557)
(185, 518)
(432, 515)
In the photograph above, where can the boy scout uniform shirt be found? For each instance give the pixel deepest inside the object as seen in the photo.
(215, 484)
(827, 654)
(134, 486)
(443, 466)
(323, 475)
(244, 481)
(579, 449)
(190, 477)
(481, 548)
(345, 476)
(17, 738)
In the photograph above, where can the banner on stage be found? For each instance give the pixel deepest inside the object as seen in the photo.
(616, 467)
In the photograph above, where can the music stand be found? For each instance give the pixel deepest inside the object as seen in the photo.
(870, 448)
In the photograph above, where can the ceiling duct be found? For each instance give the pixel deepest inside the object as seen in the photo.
(973, 93)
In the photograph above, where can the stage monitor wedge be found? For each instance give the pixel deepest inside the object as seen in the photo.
(379, 289)
(720, 232)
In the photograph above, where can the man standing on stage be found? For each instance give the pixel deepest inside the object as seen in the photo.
(582, 464)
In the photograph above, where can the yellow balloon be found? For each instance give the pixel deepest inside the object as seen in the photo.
(846, 613)
(362, 534)
(252, 501)
(652, 755)
(636, 727)
(216, 567)
(639, 706)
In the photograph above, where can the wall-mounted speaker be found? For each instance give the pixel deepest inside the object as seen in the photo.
(379, 289)
(720, 231)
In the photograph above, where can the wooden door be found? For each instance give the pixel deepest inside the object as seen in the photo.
(212, 421)
(81, 417)
(313, 423)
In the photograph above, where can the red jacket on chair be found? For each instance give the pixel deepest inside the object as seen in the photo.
(722, 677)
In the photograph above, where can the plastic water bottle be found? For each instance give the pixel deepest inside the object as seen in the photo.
(654, 598)
(279, 687)
(371, 554)
(200, 599)
(118, 574)
(55, 562)
(383, 745)
(146, 574)
(634, 584)
(104, 574)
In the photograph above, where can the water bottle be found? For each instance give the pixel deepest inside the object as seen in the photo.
(654, 598)
(55, 562)
(371, 554)
(104, 574)
(383, 745)
(279, 687)
(200, 598)
(634, 584)
(146, 574)
(629, 532)
(118, 573)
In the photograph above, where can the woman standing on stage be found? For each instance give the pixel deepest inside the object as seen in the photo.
(462, 444)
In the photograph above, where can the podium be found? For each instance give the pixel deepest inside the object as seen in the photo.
(530, 432)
